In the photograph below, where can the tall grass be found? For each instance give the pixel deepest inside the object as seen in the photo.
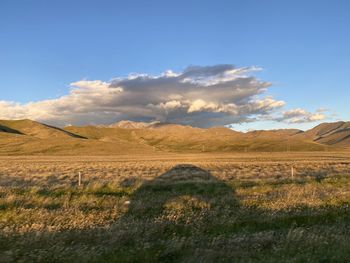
(207, 210)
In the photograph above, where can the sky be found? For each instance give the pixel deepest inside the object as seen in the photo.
(253, 64)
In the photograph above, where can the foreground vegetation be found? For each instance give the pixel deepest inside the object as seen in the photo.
(179, 209)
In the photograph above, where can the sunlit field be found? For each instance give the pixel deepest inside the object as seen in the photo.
(176, 208)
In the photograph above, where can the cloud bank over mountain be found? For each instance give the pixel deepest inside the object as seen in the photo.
(200, 96)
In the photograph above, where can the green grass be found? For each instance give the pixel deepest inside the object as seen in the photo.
(184, 215)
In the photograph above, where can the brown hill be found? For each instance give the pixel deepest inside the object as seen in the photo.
(281, 133)
(179, 138)
(34, 129)
(30, 137)
(125, 124)
(336, 134)
(325, 129)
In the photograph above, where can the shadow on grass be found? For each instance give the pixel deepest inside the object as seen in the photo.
(183, 188)
(188, 215)
(9, 130)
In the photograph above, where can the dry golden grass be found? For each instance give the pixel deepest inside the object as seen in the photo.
(27, 137)
(171, 208)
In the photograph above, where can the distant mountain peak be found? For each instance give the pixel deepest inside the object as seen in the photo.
(126, 124)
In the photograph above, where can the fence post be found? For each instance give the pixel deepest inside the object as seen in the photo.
(79, 179)
(292, 172)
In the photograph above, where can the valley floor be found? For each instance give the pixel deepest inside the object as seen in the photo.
(267, 207)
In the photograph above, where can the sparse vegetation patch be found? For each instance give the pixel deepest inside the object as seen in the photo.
(182, 209)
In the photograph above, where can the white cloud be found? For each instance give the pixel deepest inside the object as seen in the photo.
(301, 116)
(200, 96)
(90, 85)
(201, 105)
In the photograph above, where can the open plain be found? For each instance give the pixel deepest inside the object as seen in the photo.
(174, 131)
(247, 207)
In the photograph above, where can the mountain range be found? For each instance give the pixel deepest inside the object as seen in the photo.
(27, 137)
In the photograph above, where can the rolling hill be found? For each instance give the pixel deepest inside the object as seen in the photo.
(34, 129)
(20, 137)
(26, 137)
(337, 133)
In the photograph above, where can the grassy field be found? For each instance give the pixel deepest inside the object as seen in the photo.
(176, 208)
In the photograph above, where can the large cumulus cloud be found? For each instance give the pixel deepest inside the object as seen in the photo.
(199, 96)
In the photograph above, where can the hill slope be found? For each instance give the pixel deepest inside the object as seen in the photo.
(179, 138)
(34, 129)
(30, 137)
(336, 134)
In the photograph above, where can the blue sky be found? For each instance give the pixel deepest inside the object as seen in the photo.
(302, 46)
